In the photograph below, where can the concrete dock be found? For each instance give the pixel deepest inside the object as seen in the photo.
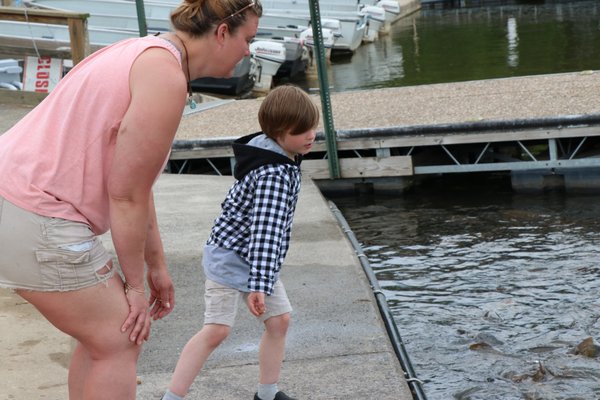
(337, 346)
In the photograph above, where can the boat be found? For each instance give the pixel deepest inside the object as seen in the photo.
(349, 29)
(339, 9)
(121, 16)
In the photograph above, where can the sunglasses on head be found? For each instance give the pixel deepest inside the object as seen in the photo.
(241, 10)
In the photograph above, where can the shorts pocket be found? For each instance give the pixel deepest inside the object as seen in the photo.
(62, 268)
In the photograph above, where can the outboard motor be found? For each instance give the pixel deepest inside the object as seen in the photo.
(270, 56)
(328, 40)
(391, 6)
(328, 37)
(374, 12)
(377, 22)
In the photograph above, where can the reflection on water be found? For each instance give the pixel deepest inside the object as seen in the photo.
(451, 45)
(513, 41)
(492, 291)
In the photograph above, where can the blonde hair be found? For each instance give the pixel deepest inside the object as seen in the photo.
(287, 109)
(197, 17)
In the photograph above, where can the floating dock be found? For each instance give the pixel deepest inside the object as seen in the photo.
(543, 130)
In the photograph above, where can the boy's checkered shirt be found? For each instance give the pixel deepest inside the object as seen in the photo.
(256, 221)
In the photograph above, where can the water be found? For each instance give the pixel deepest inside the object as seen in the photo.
(491, 291)
(451, 45)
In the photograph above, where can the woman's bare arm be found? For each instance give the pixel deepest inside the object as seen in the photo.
(144, 140)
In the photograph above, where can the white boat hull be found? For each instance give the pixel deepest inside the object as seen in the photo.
(351, 29)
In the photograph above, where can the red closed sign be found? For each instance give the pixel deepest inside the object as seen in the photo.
(42, 74)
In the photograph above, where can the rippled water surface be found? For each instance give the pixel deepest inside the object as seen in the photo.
(491, 291)
(451, 45)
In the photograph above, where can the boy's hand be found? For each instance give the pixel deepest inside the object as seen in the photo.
(256, 303)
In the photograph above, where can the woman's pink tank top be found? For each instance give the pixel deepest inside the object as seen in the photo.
(55, 161)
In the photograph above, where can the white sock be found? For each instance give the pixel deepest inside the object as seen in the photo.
(268, 391)
(171, 396)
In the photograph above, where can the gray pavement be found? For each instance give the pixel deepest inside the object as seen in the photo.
(337, 346)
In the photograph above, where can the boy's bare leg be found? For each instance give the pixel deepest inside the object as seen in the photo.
(194, 355)
(272, 348)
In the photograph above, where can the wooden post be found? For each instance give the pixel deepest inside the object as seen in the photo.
(8, 3)
(77, 23)
(80, 41)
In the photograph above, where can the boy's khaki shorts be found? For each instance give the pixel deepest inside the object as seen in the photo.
(48, 254)
(222, 302)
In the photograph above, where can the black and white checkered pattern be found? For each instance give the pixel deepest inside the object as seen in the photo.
(256, 221)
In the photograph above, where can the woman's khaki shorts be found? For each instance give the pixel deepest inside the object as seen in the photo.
(48, 254)
(222, 302)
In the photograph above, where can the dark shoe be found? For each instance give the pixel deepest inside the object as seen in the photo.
(279, 396)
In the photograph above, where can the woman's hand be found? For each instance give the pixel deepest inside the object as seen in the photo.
(162, 293)
(138, 315)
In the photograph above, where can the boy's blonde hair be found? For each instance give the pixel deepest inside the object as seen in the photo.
(287, 109)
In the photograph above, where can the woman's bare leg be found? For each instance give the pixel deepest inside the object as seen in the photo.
(94, 317)
(79, 368)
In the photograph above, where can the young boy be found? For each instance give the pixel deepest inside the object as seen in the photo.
(250, 238)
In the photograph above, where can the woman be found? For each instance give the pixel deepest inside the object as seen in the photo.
(83, 162)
